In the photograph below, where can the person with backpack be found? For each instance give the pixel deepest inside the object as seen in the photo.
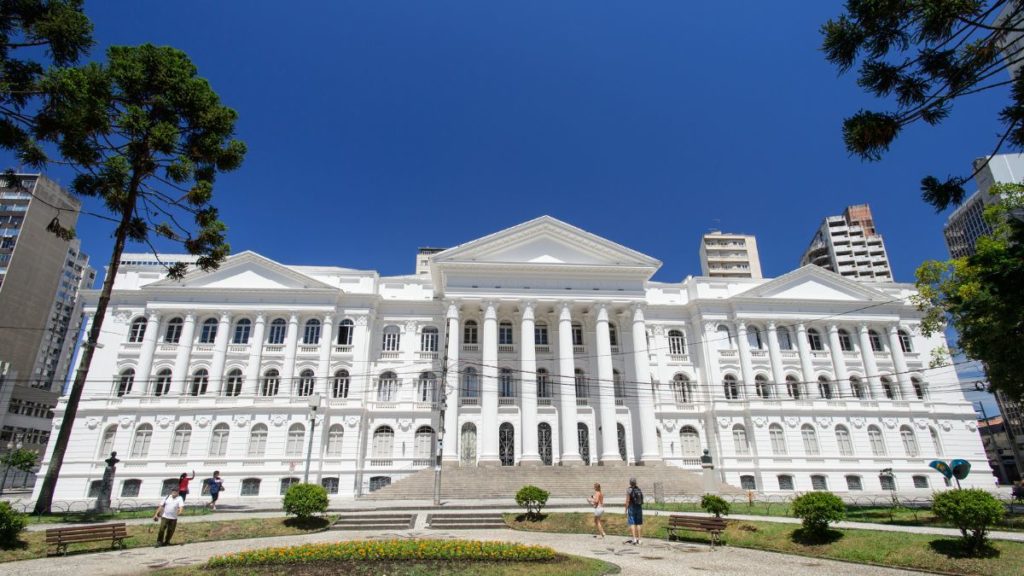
(634, 512)
(216, 484)
(167, 514)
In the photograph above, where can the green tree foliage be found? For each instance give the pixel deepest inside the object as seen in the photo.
(920, 56)
(12, 523)
(818, 510)
(715, 505)
(148, 137)
(55, 29)
(20, 459)
(982, 295)
(533, 499)
(305, 500)
(972, 511)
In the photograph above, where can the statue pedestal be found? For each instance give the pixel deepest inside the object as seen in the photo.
(710, 483)
(107, 488)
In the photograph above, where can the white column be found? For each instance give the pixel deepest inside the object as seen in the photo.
(775, 356)
(743, 345)
(899, 362)
(567, 388)
(220, 354)
(644, 400)
(181, 376)
(143, 376)
(291, 342)
(806, 368)
(252, 372)
(489, 388)
(323, 369)
(362, 335)
(867, 353)
(451, 386)
(528, 383)
(842, 376)
(606, 392)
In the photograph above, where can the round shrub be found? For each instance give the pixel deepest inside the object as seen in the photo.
(532, 498)
(714, 505)
(305, 500)
(818, 510)
(12, 523)
(973, 511)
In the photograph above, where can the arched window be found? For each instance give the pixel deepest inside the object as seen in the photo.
(681, 389)
(739, 440)
(577, 334)
(306, 384)
(271, 382)
(470, 332)
(426, 388)
(844, 441)
(311, 335)
(819, 482)
(785, 481)
(935, 440)
(383, 442)
(278, 331)
(810, 438)
(793, 387)
(392, 339)
(540, 334)
(506, 384)
(107, 441)
(173, 333)
(920, 388)
(754, 339)
(219, 440)
(335, 435)
(824, 388)
(543, 383)
(876, 441)
(761, 386)
(505, 333)
(137, 331)
(785, 340)
(387, 387)
(339, 388)
(618, 387)
(778, 439)
(858, 388)
(345, 329)
(125, 381)
(909, 442)
(423, 443)
(233, 383)
(243, 329)
(876, 341)
(723, 338)
(428, 339)
(905, 343)
(471, 383)
(163, 382)
(257, 441)
(179, 443)
(676, 343)
(199, 381)
(613, 335)
(731, 387)
(208, 335)
(140, 445)
(888, 389)
(296, 435)
(689, 442)
(582, 388)
(853, 483)
(845, 342)
(814, 339)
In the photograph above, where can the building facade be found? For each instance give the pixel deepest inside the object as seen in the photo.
(996, 439)
(539, 345)
(850, 246)
(41, 276)
(724, 255)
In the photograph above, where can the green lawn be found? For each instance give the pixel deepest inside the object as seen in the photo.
(92, 517)
(902, 550)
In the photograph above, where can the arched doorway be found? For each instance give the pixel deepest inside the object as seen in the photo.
(467, 448)
(622, 441)
(544, 442)
(583, 434)
(507, 444)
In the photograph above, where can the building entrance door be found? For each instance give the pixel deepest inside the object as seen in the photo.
(467, 449)
(507, 444)
(583, 433)
(544, 442)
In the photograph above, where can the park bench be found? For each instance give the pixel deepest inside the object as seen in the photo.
(61, 537)
(711, 525)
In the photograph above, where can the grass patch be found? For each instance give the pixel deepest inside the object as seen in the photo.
(33, 544)
(562, 565)
(899, 550)
(94, 518)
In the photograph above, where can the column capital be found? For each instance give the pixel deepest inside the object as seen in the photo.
(833, 328)
(564, 311)
(638, 309)
(453, 310)
(490, 309)
(771, 325)
(153, 316)
(329, 318)
(225, 316)
(741, 325)
(602, 313)
(261, 317)
(863, 327)
(361, 320)
(190, 316)
(801, 327)
(293, 318)
(527, 308)
(710, 326)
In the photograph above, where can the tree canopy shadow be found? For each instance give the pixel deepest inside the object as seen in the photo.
(957, 548)
(531, 517)
(309, 523)
(809, 538)
(16, 544)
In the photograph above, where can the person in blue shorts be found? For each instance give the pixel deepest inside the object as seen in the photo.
(634, 512)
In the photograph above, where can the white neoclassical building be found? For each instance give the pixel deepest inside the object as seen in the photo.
(539, 345)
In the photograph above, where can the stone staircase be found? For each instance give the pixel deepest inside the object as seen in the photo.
(474, 483)
(374, 522)
(466, 521)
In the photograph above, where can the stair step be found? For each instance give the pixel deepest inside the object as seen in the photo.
(375, 522)
(465, 521)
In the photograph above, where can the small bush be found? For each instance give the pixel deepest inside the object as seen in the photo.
(973, 511)
(12, 523)
(714, 505)
(818, 510)
(305, 500)
(532, 498)
(388, 550)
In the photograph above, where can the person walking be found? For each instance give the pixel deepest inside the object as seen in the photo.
(183, 481)
(167, 514)
(216, 484)
(634, 512)
(597, 501)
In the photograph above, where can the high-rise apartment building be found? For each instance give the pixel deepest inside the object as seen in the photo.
(40, 310)
(724, 255)
(850, 245)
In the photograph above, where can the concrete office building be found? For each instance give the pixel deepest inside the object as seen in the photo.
(724, 255)
(850, 246)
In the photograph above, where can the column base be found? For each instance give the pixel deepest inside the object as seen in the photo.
(651, 462)
(488, 462)
(612, 463)
(571, 461)
(530, 461)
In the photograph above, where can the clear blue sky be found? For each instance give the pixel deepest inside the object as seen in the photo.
(377, 127)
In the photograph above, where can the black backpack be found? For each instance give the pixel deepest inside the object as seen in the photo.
(636, 496)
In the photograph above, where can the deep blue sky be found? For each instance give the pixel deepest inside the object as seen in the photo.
(377, 127)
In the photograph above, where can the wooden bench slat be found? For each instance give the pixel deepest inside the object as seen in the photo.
(61, 537)
(712, 525)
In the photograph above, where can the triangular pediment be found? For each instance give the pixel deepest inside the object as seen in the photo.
(814, 283)
(246, 270)
(546, 240)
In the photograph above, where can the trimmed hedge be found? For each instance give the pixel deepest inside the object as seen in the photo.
(818, 510)
(305, 500)
(392, 550)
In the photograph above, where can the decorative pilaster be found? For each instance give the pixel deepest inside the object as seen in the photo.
(291, 343)
(867, 354)
(842, 376)
(323, 369)
(743, 345)
(143, 376)
(899, 362)
(252, 372)
(775, 355)
(181, 360)
(220, 353)
(806, 367)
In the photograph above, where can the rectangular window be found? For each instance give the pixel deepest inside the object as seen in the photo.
(819, 482)
(785, 482)
(577, 335)
(540, 335)
(853, 484)
(505, 334)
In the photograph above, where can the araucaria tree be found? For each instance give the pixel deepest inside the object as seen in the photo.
(147, 136)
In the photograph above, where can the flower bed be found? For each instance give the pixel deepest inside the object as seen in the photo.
(391, 550)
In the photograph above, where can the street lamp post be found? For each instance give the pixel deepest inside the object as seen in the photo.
(314, 403)
(7, 468)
